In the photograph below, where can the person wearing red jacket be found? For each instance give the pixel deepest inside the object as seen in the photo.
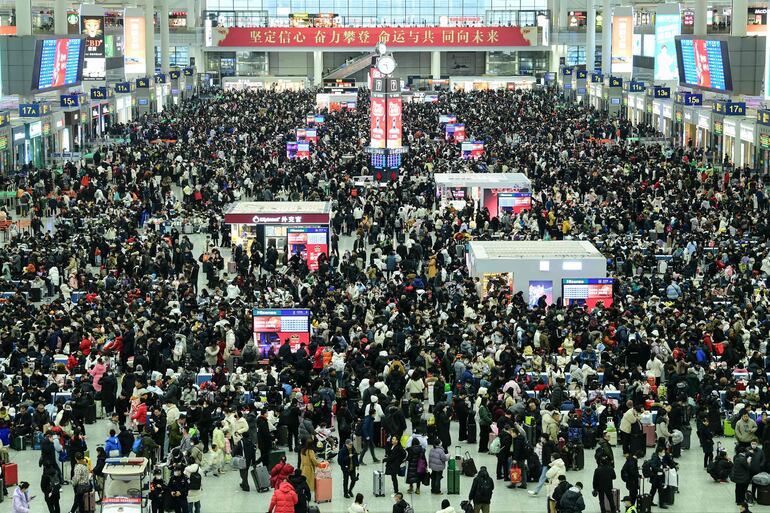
(85, 346)
(139, 414)
(284, 499)
(318, 359)
(280, 473)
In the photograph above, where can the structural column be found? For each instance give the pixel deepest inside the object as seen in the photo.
(164, 37)
(318, 67)
(701, 6)
(149, 37)
(192, 14)
(606, 37)
(740, 18)
(60, 18)
(435, 65)
(591, 37)
(23, 18)
(767, 60)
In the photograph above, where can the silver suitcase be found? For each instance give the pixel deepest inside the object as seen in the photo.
(378, 487)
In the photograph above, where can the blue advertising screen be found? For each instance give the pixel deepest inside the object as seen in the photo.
(58, 63)
(704, 63)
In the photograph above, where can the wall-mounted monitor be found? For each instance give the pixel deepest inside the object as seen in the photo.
(704, 64)
(273, 327)
(587, 292)
(58, 63)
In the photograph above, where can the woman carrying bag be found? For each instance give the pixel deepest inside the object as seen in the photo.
(416, 465)
(81, 484)
(394, 457)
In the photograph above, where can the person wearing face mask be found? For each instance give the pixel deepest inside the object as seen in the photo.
(178, 488)
(157, 490)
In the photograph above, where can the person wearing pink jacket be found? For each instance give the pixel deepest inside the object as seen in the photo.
(96, 372)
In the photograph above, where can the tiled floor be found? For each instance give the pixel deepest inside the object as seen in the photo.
(698, 493)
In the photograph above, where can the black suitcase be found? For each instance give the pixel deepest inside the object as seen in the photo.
(763, 495)
(90, 414)
(589, 437)
(283, 435)
(644, 503)
(639, 445)
(668, 495)
(676, 451)
(471, 431)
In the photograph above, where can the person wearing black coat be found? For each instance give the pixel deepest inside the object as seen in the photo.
(414, 453)
(442, 428)
(520, 454)
(741, 475)
(177, 489)
(348, 460)
(630, 475)
(47, 451)
(250, 454)
(109, 384)
(394, 457)
(299, 482)
(506, 440)
(264, 440)
(126, 439)
(603, 477)
(50, 485)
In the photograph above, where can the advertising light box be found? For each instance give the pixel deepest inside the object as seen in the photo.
(587, 291)
(309, 244)
(273, 327)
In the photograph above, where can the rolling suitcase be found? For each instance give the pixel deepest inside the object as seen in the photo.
(471, 431)
(10, 474)
(453, 482)
(323, 489)
(763, 495)
(589, 437)
(89, 501)
(261, 477)
(668, 494)
(18, 443)
(578, 457)
(649, 434)
(283, 436)
(616, 500)
(90, 414)
(676, 451)
(378, 486)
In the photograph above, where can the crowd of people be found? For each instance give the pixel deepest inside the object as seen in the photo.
(117, 308)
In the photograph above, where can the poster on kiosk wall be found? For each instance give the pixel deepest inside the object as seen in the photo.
(500, 200)
(455, 132)
(394, 122)
(472, 150)
(377, 132)
(273, 327)
(309, 244)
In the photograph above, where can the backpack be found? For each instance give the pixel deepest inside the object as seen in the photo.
(647, 469)
(494, 447)
(485, 487)
(195, 481)
(137, 447)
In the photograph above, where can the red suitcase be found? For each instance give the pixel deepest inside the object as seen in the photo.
(10, 474)
(323, 489)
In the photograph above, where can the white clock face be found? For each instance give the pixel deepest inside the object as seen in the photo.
(386, 65)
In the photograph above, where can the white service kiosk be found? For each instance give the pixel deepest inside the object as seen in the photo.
(542, 268)
(498, 192)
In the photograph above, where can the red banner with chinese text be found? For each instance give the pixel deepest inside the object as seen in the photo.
(377, 134)
(395, 37)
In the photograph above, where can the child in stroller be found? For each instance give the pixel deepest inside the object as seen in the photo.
(326, 443)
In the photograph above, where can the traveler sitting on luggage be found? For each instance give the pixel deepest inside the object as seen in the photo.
(720, 469)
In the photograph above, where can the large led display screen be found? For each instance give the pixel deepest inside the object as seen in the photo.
(273, 327)
(704, 63)
(587, 291)
(667, 27)
(309, 244)
(58, 63)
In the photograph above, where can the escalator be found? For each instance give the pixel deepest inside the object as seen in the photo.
(350, 67)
